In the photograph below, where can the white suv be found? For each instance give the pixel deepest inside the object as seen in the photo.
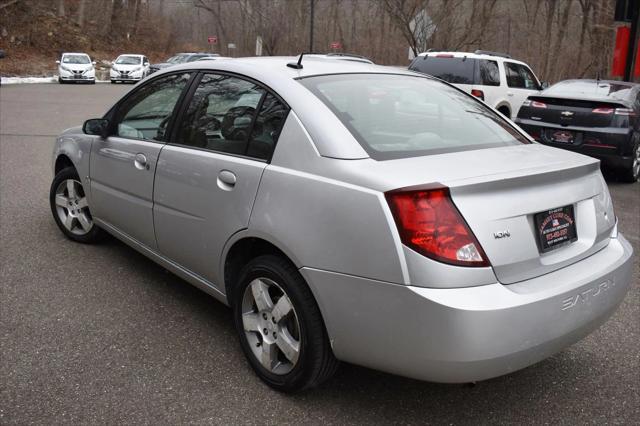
(500, 81)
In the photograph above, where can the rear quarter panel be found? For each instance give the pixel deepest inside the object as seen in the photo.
(326, 223)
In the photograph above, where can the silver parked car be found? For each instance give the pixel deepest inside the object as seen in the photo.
(350, 212)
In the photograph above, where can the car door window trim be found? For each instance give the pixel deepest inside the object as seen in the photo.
(112, 113)
(185, 103)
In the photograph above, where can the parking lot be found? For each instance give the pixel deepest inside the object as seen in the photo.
(101, 334)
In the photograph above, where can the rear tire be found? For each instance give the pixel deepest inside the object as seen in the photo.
(632, 173)
(281, 330)
(70, 208)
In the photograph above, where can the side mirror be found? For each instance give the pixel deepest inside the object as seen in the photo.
(93, 62)
(544, 84)
(57, 62)
(96, 126)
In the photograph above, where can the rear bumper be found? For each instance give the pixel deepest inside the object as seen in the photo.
(474, 333)
(612, 146)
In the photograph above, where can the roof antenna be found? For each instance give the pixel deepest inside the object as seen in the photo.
(297, 66)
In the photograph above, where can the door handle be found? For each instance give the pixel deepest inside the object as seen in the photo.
(226, 180)
(140, 162)
(509, 93)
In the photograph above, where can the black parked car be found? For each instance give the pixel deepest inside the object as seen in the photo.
(594, 117)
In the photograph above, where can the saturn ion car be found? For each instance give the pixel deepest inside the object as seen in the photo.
(129, 68)
(350, 212)
(76, 67)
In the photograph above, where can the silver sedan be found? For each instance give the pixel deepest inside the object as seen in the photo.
(350, 212)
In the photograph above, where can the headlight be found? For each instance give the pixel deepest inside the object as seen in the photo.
(65, 68)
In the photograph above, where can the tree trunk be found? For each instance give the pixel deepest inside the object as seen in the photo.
(61, 8)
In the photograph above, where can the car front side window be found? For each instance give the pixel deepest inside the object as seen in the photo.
(521, 77)
(146, 113)
(221, 114)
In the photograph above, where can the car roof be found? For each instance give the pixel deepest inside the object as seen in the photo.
(274, 73)
(130, 54)
(590, 89)
(75, 53)
(471, 55)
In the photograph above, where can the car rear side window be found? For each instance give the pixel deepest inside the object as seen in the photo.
(447, 68)
(399, 116)
(223, 116)
(489, 73)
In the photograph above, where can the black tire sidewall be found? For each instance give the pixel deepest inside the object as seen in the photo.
(294, 286)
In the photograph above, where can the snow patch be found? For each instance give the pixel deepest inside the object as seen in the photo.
(24, 80)
(21, 80)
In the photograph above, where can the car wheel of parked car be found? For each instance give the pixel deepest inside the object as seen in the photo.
(632, 173)
(280, 326)
(70, 208)
(61, 81)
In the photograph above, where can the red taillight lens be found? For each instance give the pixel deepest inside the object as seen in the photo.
(478, 93)
(537, 104)
(604, 110)
(429, 223)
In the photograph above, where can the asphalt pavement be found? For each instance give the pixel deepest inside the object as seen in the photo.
(100, 334)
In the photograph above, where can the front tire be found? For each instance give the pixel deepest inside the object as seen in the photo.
(70, 208)
(281, 330)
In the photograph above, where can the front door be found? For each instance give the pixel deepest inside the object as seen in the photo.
(521, 83)
(208, 175)
(123, 165)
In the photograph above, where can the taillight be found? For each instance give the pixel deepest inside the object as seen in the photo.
(535, 104)
(429, 223)
(624, 111)
(602, 110)
(478, 93)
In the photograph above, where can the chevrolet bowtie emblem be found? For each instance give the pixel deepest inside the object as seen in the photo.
(566, 113)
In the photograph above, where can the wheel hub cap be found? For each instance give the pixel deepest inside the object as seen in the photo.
(271, 326)
(72, 207)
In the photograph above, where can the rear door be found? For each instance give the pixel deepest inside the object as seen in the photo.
(521, 83)
(208, 176)
(123, 165)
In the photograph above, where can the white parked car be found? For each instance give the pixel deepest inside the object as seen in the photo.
(129, 67)
(76, 67)
(496, 78)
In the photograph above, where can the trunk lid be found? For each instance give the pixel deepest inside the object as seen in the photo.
(501, 190)
(572, 112)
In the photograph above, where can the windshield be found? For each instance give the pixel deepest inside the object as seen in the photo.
(129, 60)
(76, 59)
(399, 116)
(178, 59)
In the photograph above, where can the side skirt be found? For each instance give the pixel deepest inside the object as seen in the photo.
(178, 270)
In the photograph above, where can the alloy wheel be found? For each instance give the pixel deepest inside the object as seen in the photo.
(271, 326)
(72, 207)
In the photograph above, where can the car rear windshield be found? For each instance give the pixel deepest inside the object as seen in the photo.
(75, 59)
(399, 116)
(129, 60)
(447, 68)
